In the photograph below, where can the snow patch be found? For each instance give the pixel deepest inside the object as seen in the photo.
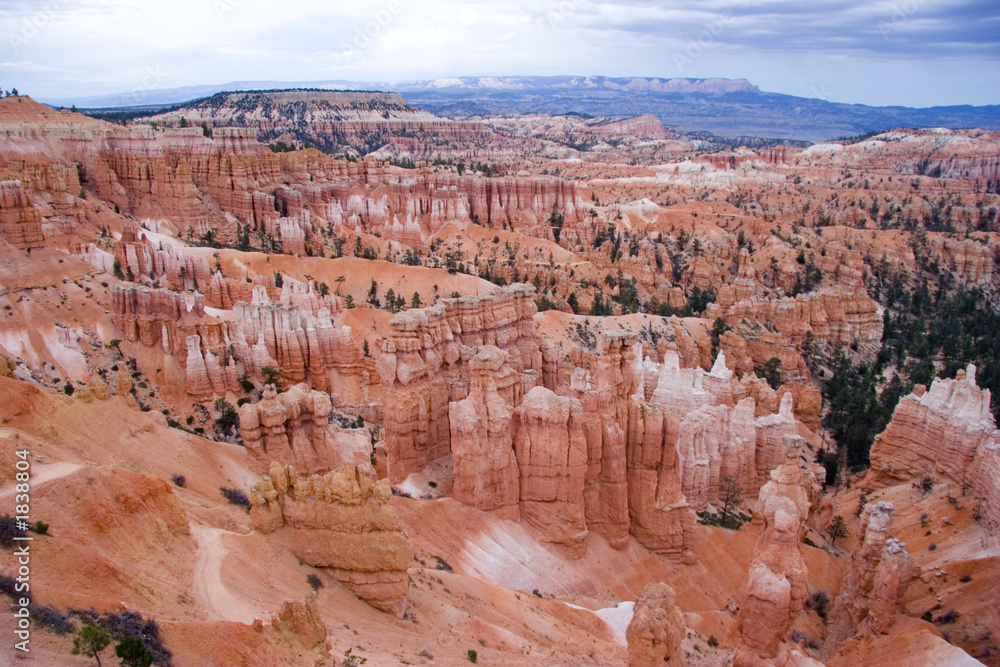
(617, 618)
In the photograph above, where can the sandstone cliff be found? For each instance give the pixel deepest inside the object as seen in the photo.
(552, 456)
(486, 471)
(947, 432)
(426, 364)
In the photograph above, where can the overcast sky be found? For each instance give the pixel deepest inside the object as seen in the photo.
(907, 52)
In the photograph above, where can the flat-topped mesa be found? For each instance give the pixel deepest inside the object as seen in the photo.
(777, 585)
(20, 220)
(486, 470)
(657, 628)
(292, 428)
(426, 364)
(342, 521)
(938, 433)
(879, 572)
(551, 454)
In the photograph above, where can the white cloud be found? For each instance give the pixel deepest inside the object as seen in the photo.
(104, 46)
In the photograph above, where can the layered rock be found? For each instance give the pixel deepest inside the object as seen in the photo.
(771, 433)
(159, 317)
(937, 434)
(296, 335)
(987, 489)
(290, 428)
(298, 623)
(552, 457)
(657, 628)
(342, 521)
(776, 587)
(876, 580)
(167, 265)
(486, 470)
(714, 443)
(20, 220)
(660, 518)
(604, 383)
(426, 364)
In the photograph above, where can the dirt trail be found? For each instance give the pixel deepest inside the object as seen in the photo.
(209, 589)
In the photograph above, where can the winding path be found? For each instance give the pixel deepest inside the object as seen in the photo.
(208, 586)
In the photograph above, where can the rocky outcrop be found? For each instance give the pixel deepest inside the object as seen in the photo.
(295, 335)
(291, 428)
(20, 220)
(298, 623)
(987, 489)
(426, 364)
(876, 580)
(777, 587)
(714, 443)
(486, 470)
(771, 433)
(552, 457)
(835, 316)
(196, 372)
(159, 317)
(657, 628)
(167, 265)
(940, 434)
(342, 521)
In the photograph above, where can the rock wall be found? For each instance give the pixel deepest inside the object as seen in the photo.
(426, 364)
(714, 443)
(486, 470)
(159, 317)
(20, 220)
(836, 316)
(342, 521)
(295, 335)
(292, 429)
(940, 433)
(551, 454)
